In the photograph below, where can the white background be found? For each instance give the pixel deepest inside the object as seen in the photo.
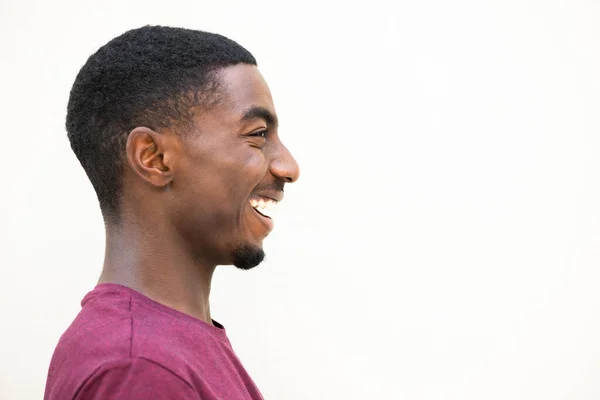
(443, 241)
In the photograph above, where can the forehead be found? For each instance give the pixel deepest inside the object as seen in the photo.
(243, 87)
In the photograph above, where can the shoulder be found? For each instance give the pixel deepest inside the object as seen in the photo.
(100, 333)
(134, 378)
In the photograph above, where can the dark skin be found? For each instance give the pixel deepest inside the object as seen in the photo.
(185, 206)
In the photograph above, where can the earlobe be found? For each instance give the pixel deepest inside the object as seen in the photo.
(145, 152)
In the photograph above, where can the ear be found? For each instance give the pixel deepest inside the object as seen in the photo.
(146, 154)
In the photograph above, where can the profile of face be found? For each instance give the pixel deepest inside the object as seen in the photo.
(229, 172)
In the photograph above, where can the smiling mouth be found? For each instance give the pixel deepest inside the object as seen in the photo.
(264, 206)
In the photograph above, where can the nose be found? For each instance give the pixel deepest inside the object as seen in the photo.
(284, 166)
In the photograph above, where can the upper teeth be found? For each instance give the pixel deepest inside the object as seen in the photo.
(263, 205)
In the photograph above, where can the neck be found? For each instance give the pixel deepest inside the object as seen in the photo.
(156, 264)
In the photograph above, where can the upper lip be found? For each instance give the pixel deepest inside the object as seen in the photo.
(273, 195)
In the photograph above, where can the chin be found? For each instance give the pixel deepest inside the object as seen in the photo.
(247, 256)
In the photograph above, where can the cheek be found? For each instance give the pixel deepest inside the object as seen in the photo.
(221, 174)
(227, 181)
(254, 166)
(240, 181)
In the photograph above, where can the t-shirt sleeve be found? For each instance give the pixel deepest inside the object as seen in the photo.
(135, 379)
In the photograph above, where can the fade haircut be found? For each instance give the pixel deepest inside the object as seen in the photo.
(151, 76)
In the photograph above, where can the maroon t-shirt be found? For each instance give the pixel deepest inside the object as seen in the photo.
(123, 345)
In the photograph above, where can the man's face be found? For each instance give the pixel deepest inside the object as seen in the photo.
(230, 170)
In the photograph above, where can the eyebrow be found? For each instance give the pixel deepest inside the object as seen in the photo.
(260, 112)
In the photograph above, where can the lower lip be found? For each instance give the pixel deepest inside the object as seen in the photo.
(265, 220)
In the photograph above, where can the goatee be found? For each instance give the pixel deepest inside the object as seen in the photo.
(247, 256)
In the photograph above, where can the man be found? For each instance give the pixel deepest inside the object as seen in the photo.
(177, 132)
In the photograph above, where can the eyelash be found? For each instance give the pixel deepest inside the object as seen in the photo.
(262, 134)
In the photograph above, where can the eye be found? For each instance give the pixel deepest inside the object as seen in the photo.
(262, 133)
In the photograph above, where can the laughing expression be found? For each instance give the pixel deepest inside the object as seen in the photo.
(231, 170)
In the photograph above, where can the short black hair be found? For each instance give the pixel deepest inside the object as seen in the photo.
(150, 76)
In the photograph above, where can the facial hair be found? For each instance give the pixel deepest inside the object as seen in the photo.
(247, 256)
